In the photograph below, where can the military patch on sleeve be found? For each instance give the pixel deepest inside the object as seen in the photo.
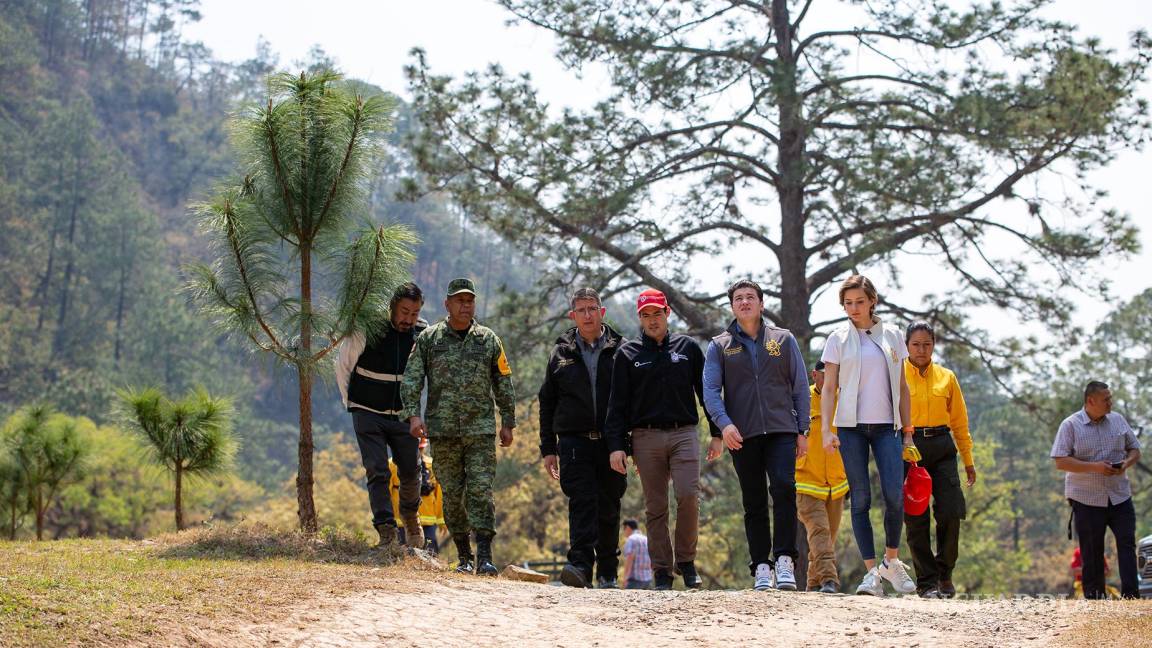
(502, 363)
(772, 347)
(733, 350)
(564, 362)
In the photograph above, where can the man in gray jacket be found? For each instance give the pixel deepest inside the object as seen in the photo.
(756, 390)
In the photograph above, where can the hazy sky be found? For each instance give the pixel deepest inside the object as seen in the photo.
(371, 40)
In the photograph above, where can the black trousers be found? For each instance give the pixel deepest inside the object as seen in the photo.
(766, 465)
(1091, 522)
(948, 507)
(375, 434)
(594, 491)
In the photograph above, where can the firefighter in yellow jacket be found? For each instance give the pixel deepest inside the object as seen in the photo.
(821, 485)
(431, 510)
(940, 419)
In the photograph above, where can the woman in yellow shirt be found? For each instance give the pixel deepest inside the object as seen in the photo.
(940, 423)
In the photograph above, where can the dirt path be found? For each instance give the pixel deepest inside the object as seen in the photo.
(436, 609)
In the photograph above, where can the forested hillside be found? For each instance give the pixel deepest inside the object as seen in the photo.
(112, 124)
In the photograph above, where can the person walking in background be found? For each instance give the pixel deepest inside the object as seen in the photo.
(821, 485)
(431, 512)
(369, 369)
(756, 390)
(637, 564)
(466, 369)
(940, 422)
(656, 382)
(864, 368)
(1095, 447)
(573, 406)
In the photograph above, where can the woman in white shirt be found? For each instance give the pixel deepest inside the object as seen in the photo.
(864, 360)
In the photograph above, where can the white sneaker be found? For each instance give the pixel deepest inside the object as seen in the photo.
(872, 585)
(764, 580)
(896, 572)
(785, 574)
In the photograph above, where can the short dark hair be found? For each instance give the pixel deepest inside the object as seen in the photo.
(584, 293)
(745, 283)
(919, 325)
(407, 290)
(631, 524)
(819, 366)
(1094, 387)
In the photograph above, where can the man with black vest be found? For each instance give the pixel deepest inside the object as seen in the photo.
(656, 382)
(369, 369)
(756, 391)
(573, 405)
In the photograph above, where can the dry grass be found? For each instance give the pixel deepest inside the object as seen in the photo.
(105, 592)
(1112, 624)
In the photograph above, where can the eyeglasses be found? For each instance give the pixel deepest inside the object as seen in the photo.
(587, 311)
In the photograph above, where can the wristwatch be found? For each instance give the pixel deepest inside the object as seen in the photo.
(804, 433)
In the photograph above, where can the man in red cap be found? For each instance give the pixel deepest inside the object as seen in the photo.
(656, 383)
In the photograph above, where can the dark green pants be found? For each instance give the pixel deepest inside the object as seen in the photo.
(466, 466)
(948, 507)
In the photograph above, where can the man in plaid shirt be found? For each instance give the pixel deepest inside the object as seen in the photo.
(1095, 447)
(637, 564)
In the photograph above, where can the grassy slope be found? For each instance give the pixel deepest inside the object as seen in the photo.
(88, 592)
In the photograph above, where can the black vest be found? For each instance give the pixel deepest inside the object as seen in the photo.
(375, 380)
(758, 387)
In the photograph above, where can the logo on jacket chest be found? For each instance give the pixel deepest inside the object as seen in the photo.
(772, 347)
(677, 357)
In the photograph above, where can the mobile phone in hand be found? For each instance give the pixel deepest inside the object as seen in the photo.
(1117, 465)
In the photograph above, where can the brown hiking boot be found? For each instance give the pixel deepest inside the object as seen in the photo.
(413, 532)
(387, 535)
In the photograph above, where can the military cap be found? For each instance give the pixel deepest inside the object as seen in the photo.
(462, 285)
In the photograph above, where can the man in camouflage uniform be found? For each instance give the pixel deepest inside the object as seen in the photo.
(465, 367)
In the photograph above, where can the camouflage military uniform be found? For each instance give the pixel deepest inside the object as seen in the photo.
(464, 373)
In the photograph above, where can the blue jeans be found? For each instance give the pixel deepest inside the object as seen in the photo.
(884, 441)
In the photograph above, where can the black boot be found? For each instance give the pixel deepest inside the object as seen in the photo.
(691, 578)
(484, 566)
(464, 552)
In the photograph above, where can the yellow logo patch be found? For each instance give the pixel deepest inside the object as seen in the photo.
(502, 363)
(733, 350)
(772, 347)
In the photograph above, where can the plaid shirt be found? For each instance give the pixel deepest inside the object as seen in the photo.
(1108, 439)
(637, 546)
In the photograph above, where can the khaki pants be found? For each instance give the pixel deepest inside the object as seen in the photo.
(822, 520)
(661, 455)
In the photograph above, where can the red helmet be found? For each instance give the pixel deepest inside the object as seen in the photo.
(917, 490)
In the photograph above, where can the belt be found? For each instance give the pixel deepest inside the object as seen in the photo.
(593, 435)
(936, 430)
(663, 426)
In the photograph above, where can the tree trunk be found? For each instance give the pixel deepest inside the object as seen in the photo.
(179, 496)
(306, 507)
(70, 266)
(12, 529)
(39, 514)
(795, 308)
(124, 270)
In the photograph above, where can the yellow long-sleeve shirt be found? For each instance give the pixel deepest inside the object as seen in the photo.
(820, 474)
(431, 505)
(937, 400)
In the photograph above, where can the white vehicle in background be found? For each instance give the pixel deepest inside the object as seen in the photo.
(1144, 566)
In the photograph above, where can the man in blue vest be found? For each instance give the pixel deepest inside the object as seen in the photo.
(369, 368)
(756, 391)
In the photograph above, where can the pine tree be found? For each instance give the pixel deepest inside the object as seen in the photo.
(189, 437)
(289, 275)
(48, 451)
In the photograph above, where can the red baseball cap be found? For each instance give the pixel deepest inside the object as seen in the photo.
(651, 297)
